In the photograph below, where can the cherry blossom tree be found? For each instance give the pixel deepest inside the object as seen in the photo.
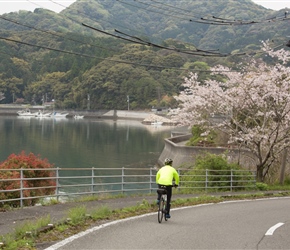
(252, 106)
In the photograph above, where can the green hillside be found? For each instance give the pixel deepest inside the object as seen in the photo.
(109, 49)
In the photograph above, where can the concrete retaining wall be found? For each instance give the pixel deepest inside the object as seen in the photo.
(185, 155)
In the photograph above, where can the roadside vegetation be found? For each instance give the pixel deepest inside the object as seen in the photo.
(217, 174)
(45, 232)
(29, 166)
(42, 233)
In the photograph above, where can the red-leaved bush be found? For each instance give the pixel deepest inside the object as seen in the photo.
(33, 167)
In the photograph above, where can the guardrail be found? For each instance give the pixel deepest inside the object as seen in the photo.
(66, 183)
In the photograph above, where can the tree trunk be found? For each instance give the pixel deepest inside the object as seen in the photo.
(283, 166)
(260, 176)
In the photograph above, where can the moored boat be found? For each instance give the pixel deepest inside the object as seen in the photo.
(41, 114)
(78, 116)
(26, 113)
(156, 123)
(59, 115)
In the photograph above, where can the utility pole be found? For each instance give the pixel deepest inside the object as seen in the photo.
(128, 101)
(89, 104)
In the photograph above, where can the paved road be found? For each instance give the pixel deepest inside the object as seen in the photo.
(258, 224)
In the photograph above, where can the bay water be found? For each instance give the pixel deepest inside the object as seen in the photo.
(83, 143)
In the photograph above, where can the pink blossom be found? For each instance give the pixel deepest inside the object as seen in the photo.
(253, 105)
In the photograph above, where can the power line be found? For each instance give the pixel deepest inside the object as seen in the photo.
(53, 33)
(142, 42)
(212, 19)
(95, 21)
(197, 19)
(174, 16)
(107, 59)
(197, 52)
(90, 56)
(81, 14)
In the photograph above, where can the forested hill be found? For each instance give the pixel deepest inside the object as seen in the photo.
(87, 50)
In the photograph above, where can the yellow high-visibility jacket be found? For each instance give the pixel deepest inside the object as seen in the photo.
(166, 174)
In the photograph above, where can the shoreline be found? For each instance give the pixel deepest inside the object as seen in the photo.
(147, 117)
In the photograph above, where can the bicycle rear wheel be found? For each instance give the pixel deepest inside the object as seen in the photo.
(164, 208)
(160, 210)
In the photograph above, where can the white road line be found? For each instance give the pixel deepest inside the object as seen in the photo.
(88, 231)
(83, 233)
(272, 229)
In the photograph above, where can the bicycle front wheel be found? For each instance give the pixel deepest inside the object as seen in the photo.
(160, 210)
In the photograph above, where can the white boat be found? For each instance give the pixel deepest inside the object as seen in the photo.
(41, 114)
(78, 116)
(156, 123)
(59, 115)
(26, 113)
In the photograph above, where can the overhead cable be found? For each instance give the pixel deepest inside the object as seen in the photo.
(142, 42)
(91, 56)
(197, 52)
(53, 33)
(211, 19)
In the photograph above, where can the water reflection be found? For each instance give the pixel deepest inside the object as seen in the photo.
(85, 143)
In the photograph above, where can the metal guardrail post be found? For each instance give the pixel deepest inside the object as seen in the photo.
(231, 180)
(123, 174)
(57, 184)
(178, 171)
(151, 180)
(206, 179)
(93, 181)
(21, 187)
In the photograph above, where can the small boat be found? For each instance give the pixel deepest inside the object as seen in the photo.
(78, 116)
(41, 114)
(26, 113)
(59, 115)
(156, 123)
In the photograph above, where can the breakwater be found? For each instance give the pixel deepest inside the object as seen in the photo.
(99, 114)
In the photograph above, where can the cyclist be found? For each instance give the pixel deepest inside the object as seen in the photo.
(164, 177)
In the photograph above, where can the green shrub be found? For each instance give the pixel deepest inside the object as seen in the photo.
(33, 167)
(215, 173)
(287, 181)
(262, 186)
(201, 136)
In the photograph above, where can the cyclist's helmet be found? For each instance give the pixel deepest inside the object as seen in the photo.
(168, 161)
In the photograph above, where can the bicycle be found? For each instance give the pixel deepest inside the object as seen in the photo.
(162, 204)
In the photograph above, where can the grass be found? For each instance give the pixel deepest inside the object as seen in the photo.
(277, 187)
(77, 215)
(31, 234)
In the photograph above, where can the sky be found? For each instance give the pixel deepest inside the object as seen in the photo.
(7, 6)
